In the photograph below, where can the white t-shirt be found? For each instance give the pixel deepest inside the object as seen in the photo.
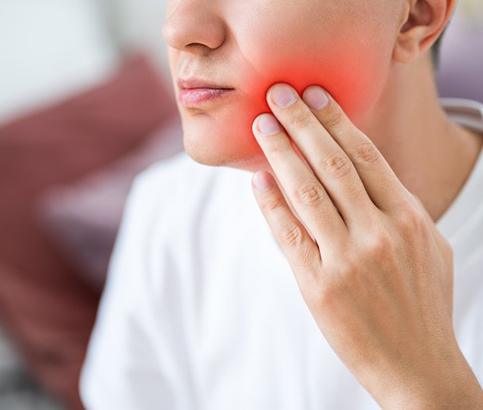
(202, 311)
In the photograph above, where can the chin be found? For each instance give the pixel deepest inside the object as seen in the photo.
(215, 140)
(202, 153)
(222, 155)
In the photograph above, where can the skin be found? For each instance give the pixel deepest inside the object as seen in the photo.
(353, 189)
(366, 255)
(241, 58)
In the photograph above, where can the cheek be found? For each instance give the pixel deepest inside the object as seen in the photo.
(353, 75)
(353, 72)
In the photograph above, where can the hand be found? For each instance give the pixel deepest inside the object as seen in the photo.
(371, 265)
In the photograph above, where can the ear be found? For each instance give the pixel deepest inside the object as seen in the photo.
(423, 21)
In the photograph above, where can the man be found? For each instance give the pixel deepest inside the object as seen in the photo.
(347, 300)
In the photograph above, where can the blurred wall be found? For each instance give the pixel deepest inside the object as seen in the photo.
(461, 70)
(137, 24)
(50, 48)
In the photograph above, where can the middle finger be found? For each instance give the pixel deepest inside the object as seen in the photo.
(328, 160)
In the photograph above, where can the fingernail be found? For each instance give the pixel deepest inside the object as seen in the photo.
(283, 95)
(315, 97)
(263, 181)
(267, 124)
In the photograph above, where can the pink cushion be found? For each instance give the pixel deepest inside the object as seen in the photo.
(47, 307)
(83, 218)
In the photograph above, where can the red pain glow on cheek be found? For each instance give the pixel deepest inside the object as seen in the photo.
(352, 77)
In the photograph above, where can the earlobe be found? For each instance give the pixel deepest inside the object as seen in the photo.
(424, 22)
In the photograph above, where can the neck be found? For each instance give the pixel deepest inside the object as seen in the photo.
(431, 156)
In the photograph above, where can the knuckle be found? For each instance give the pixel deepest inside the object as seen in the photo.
(272, 204)
(414, 199)
(277, 144)
(379, 244)
(366, 153)
(410, 219)
(304, 260)
(291, 236)
(337, 165)
(333, 117)
(299, 117)
(346, 269)
(310, 194)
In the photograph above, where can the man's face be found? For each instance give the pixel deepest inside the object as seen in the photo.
(247, 45)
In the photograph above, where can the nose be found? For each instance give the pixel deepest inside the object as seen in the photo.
(192, 25)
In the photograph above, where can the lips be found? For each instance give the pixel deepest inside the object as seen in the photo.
(194, 82)
(194, 92)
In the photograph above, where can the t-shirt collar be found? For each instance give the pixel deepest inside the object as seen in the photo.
(469, 114)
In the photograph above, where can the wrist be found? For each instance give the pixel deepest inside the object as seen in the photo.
(469, 397)
(448, 383)
(462, 392)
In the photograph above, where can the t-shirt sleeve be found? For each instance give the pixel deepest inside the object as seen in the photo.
(136, 357)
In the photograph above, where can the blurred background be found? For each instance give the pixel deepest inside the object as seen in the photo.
(85, 104)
